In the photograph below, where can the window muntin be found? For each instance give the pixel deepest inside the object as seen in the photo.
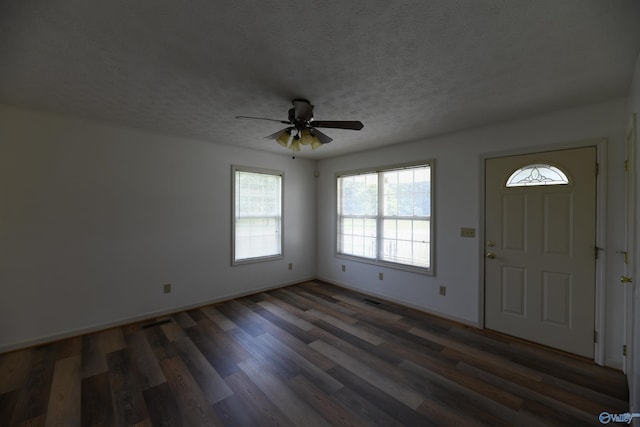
(537, 174)
(386, 216)
(257, 214)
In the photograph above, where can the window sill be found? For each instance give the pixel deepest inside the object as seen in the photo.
(256, 260)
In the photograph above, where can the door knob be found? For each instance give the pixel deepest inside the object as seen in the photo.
(491, 255)
(625, 279)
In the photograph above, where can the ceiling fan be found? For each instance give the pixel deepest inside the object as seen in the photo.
(303, 128)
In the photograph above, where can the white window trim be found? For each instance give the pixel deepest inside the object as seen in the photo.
(234, 169)
(377, 261)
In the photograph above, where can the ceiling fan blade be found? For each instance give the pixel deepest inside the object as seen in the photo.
(337, 124)
(322, 137)
(277, 134)
(303, 109)
(262, 118)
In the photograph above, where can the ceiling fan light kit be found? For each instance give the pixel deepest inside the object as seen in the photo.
(283, 138)
(303, 127)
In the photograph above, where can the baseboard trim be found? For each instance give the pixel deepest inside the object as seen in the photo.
(402, 302)
(47, 339)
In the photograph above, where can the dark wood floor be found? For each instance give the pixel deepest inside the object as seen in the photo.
(306, 355)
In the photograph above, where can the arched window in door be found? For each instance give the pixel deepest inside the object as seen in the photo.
(537, 174)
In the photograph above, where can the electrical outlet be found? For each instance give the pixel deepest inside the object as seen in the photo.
(344, 267)
(443, 290)
(380, 276)
(290, 266)
(167, 288)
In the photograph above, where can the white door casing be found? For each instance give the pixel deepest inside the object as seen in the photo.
(540, 247)
(628, 253)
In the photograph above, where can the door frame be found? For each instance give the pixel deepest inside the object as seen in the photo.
(601, 196)
(630, 141)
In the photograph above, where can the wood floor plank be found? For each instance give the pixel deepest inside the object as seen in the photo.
(361, 406)
(577, 406)
(212, 385)
(366, 310)
(233, 411)
(126, 392)
(291, 298)
(477, 354)
(491, 405)
(272, 297)
(219, 356)
(15, 367)
(295, 409)
(335, 414)
(64, 400)
(68, 348)
(376, 355)
(243, 317)
(39, 421)
(382, 398)
(302, 348)
(346, 327)
(286, 316)
(193, 405)
(612, 402)
(446, 416)
(184, 320)
(95, 348)
(162, 407)
(160, 345)
(275, 322)
(264, 355)
(396, 390)
(8, 402)
(218, 318)
(257, 401)
(173, 331)
(148, 367)
(96, 401)
(33, 399)
(326, 303)
(312, 372)
(397, 334)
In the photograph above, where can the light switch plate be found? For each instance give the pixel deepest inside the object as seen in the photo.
(467, 232)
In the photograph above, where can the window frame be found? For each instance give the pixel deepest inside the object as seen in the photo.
(263, 171)
(377, 260)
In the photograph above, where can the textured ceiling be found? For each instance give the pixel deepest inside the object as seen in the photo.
(406, 69)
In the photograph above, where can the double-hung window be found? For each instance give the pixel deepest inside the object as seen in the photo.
(385, 216)
(257, 214)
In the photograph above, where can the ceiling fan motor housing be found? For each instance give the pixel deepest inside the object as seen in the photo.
(301, 118)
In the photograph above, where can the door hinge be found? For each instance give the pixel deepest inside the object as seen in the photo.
(595, 336)
(596, 249)
(626, 165)
(597, 168)
(624, 350)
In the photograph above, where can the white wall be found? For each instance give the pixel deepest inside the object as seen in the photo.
(94, 219)
(633, 106)
(458, 190)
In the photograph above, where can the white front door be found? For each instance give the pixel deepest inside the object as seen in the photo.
(540, 229)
